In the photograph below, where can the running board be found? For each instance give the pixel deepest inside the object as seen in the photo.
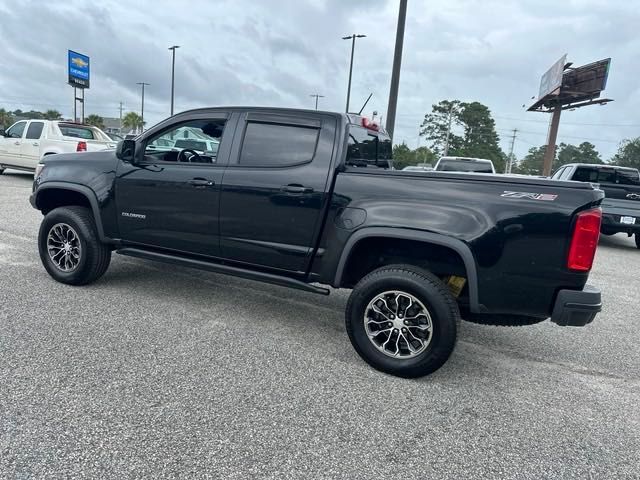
(224, 269)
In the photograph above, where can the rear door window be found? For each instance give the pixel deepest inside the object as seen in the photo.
(559, 173)
(34, 132)
(278, 145)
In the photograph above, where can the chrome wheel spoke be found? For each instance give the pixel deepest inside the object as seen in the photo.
(392, 334)
(63, 247)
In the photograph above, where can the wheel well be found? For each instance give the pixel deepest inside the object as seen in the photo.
(374, 252)
(59, 197)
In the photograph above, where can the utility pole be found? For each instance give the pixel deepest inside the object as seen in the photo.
(446, 145)
(395, 72)
(353, 47)
(120, 117)
(550, 152)
(510, 159)
(317, 96)
(173, 71)
(142, 107)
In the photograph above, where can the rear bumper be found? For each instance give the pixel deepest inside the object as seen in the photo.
(611, 221)
(576, 308)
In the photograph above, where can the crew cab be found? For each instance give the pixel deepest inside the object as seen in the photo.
(26, 142)
(621, 186)
(309, 200)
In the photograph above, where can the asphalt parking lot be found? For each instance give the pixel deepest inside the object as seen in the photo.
(162, 372)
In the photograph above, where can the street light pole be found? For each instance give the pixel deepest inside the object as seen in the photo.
(317, 96)
(142, 107)
(173, 71)
(353, 47)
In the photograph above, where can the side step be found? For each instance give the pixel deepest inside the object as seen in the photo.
(224, 269)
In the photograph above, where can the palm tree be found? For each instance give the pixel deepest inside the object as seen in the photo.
(95, 120)
(132, 121)
(52, 115)
(6, 118)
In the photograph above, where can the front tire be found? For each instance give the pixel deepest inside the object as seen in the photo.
(69, 247)
(402, 320)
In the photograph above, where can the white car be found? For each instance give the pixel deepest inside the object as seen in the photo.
(26, 142)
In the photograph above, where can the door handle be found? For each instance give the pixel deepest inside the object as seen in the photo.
(35, 144)
(16, 143)
(201, 182)
(295, 188)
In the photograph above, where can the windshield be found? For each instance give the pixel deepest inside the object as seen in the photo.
(464, 166)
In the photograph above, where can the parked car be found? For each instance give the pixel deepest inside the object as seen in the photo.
(299, 198)
(621, 185)
(26, 142)
(464, 164)
(422, 167)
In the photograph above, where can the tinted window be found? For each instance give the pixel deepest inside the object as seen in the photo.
(628, 177)
(269, 145)
(35, 130)
(16, 130)
(464, 166)
(366, 147)
(76, 132)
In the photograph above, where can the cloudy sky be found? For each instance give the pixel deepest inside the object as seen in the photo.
(278, 52)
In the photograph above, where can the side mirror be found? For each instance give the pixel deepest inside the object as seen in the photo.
(126, 150)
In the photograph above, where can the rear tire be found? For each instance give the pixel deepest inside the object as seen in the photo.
(637, 238)
(69, 246)
(423, 331)
(1, 171)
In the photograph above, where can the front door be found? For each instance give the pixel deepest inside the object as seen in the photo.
(170, 198)
(30, 148)
(10, 144)
(274, 189)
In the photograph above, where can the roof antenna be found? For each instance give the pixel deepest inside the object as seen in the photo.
(365, 103)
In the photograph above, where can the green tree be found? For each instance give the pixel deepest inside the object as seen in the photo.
(443, 117)
(132, 121)
(628, 154)
(6, 119)
(480, 137)
(95, 120)
(403, 156)
(52, 115)
(584, 153)
(531, 164)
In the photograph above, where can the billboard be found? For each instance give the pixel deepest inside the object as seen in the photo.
(586, 81)
(78, 69)
(552, 78)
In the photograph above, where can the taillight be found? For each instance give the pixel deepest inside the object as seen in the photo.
(82, 147)
(370, 125)
(584, 240)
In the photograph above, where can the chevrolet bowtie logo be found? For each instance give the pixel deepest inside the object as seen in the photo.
(634, 196)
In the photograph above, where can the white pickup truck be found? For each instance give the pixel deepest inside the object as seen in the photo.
(26, 142)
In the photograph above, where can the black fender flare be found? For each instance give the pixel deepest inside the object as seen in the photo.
(81, 189)
(454, 244)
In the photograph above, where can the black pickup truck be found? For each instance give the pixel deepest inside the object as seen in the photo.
(621, 186)
(304, 199)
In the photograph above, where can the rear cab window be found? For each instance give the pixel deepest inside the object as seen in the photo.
(473, 166)
(368, 147)
(606, 175)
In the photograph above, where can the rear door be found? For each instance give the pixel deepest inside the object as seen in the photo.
(30, 148)
(275, 189)
(10, 144)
